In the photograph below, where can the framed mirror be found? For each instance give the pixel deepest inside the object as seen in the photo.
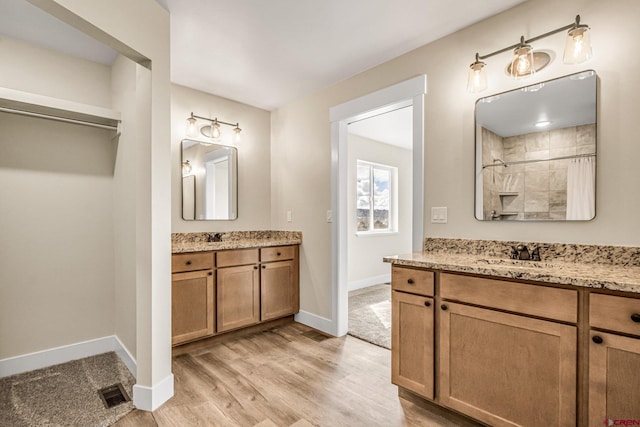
(209, 181)
(536, 151)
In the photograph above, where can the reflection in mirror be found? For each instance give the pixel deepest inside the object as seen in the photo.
(209, 181)
(536, 151)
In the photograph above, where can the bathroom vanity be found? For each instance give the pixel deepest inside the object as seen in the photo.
(519, 343)
(240, 280)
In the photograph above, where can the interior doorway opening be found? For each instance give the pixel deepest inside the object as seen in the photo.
(409, 93)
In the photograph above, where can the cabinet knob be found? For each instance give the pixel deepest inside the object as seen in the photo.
(255, 267)
(427, 304)
(278, 254)
(264, 266)
(444, 307)
(597, 339)
(410, 281)
(188, 262)
(210, 273)
(635, 317)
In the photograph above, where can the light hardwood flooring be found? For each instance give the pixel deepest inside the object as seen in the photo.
(287, 376)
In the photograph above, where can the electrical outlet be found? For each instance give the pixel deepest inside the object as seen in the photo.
(289, 218)
(439, 215)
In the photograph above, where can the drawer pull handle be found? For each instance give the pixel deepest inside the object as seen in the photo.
(410, 281)
(596, 339)
(188, 262)
(635, 317)
(444, 307)
(427, 304)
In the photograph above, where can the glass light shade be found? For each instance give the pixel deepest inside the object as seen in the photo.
(236, 134)
(577, 48)
(215, 131)
(192, 129)
(186, 168)
(522, 63)
(477, 81)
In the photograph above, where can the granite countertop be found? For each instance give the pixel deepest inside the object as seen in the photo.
(590, 275)
(198, 242)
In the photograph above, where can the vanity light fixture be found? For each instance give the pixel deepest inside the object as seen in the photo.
(186, 168)
(212, 130)
(526, 61)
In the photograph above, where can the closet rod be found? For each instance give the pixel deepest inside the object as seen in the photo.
(60, 119)
(505, 164)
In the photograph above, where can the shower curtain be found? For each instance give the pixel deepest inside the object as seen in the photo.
(581, 189)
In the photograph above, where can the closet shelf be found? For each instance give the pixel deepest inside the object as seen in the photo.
(31, 104)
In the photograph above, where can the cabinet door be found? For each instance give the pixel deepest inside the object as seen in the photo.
(614, 378)
(507, 370)
(278, 290)
(192, 306)
(412, 354)
(238, 299)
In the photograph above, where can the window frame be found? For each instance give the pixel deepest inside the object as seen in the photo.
(392, 220)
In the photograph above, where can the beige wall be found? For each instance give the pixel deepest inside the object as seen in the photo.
(365, 252)
(56, 188)
(254, 169)
(301, 134)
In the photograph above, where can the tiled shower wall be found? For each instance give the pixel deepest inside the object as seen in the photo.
(536, 190)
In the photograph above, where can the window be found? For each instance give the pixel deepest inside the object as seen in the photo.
(375, 192)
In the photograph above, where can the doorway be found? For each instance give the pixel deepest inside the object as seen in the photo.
(409, 93)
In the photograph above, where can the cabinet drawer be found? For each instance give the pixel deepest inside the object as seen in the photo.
(551, 303)
(277, 253)
(615, 313)
(237, 257)
(191, 261)
(412, 280)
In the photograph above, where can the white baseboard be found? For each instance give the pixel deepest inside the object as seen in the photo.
(150, 398)
(66, 353)
(316, 322)
(369, 281)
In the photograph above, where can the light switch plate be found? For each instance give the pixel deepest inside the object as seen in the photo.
(439, 215)
(329, 216)
(289, 216)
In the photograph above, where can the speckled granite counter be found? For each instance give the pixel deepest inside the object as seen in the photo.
(614, 268)
(199, 242)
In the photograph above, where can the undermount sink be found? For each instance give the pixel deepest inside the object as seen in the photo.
(517, 263)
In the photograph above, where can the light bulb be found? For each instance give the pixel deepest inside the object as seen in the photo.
(186, 168)
(236, 131)
(577, 48)
(215, 130)
(192, 129)
(477, 81)
(522, 63)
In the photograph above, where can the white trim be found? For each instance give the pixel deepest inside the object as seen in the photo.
(66, 353)
(369, 281)
(403, 94)
(150, 398)
(316, 322)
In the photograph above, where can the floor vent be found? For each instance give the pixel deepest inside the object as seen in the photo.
(113, 395)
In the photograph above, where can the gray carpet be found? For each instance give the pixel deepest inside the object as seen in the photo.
(370, 314)
(66, 394)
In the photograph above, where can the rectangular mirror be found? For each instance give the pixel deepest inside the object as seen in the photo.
(536, 151)
(209, 181)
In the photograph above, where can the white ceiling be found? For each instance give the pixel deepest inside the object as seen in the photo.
(393, 128)
(267, 53)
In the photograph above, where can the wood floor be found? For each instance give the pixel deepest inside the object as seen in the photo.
(288, 376)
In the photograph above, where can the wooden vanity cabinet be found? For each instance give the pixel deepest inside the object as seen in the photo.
(507, 369)
(192, 295)
(238, 289)
(279, 282)
(412, 330)
(614, 359)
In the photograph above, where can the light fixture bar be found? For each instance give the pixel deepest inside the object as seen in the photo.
(575, 24)
(214, 120)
